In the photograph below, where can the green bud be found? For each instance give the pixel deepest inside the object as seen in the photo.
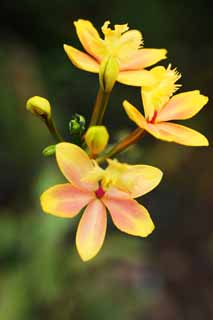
(108, 73)
(49, 150)
(77, 125)
(96, 139)
(40, 107)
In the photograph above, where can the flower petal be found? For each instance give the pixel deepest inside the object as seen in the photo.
(173, 132)
(91, 230)
(81, 60)
(136, 78)
(64, 200)
(148, 104)
(90, 38)
(114, 192)
(75, 165)
(182, 106)
(135, 115)
(141, 179)
(129, 216)
(144, 58)
(128, 44)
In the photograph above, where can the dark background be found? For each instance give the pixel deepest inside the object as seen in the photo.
(168, 276)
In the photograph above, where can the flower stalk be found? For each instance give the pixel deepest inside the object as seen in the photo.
(53, 130)
(129, 140)
(99, 108)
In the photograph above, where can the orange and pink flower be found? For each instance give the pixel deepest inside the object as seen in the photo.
(161, 107)
(94, 189)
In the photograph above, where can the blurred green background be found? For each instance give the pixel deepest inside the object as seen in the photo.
(168, 276)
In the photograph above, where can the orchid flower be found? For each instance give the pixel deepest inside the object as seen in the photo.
(95, 190)
(160, 107)
(121, 45)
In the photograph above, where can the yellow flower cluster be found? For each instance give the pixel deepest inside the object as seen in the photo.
(117, 56)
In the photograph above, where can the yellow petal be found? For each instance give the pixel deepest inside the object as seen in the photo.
(140, 179)
(182, 106)
(64, 200)
(75, 165)
(148, 105)
(127, 45)
(137, 78)
(135, 115)
(81, 60)
(91, 230)
(173, 132)
(144, 58)
(90, 39)
(131, 181)
(129, 216)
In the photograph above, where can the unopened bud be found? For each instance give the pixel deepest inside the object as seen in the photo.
(77, 125)
(49, 150)
(108, 73)
(40, 107)
(96, 139)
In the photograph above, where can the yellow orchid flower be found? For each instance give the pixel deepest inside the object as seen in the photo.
(121, 51)
(95, 190)
(160, 107)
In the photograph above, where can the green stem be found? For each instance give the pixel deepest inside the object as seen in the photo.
(52, 129)
(99, 107)
(131, 139)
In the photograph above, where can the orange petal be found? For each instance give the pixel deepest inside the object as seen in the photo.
(141, 179)
(90, 38)
(64, 200)
(129, 216)
(136, 78)
(144, 58)
(135, 115)
(117, 193)
(91, 230)
(173, 132)
(81, 60)
(75, 165)
(182, 106)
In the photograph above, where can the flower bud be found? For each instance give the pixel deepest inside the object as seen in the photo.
(77, 125)
(40, 107)
(108, 73)
(96, 139)
(49, 150)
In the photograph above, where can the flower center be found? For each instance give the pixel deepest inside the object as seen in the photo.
(159, 93)
(121, 43)
(100, 192)
(113, 35)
